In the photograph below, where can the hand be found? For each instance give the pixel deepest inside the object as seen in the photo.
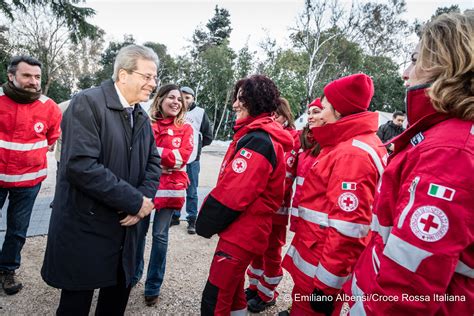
(147, 207)
(130, 220)
(321, 302)
(51, 147)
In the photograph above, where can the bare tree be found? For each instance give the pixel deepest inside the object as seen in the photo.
(317, 29)
(41, 34)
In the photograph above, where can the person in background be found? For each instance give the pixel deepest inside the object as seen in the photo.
(422, 244)
(265, 272)
(337, 194)
(174, 140)
(29, 128)
(109, 172)
(306, 157)
(202, 129)
(391, 129)
(249, 190)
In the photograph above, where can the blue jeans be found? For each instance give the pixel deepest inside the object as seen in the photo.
(192, 169)
(159, 248)
(21, 201)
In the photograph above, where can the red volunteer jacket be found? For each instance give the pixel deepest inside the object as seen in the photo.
(250, 187)
(26, 131)
(335, 208)
(175, 145)
(422, 250)
(304, 162)
(281, 216)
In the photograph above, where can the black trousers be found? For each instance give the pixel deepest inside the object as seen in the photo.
(112, 300)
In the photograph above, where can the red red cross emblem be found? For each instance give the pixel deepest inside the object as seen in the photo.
(176, 142)
(348, 201)
(429, 223)
(239, 165)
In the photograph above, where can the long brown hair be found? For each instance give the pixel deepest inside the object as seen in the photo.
(447, 56)
(156, 111)
(284, 110)
(308, 142)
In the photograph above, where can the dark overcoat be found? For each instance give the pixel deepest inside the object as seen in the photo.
(106, 168)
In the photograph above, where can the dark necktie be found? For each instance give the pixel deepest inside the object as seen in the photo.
(130, 115)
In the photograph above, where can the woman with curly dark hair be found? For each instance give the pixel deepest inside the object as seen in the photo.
(421, 253)
(249, 190)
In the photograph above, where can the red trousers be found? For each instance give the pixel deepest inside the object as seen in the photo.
(224, 291)
(265, 272)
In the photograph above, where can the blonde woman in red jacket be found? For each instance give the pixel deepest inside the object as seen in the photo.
(174, 140)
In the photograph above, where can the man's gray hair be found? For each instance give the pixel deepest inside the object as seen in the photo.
(127, 58)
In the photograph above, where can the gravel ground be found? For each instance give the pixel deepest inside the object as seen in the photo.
(188, 262)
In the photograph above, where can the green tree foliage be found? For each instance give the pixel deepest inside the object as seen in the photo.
(209, 69)
(168, 68)
(108, 58)
(381, 28)
(244, 64)
(74, 16)
(388, 85)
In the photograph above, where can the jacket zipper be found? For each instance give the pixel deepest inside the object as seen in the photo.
(407, 208)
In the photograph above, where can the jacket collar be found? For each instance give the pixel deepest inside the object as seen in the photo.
(111, 97)
(345, 128)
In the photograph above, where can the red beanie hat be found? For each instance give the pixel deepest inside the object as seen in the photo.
(351, 94)
(316, 102)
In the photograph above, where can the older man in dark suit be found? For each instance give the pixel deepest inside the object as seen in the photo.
(108, 175)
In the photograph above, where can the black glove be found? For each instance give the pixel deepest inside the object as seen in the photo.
(321, 302)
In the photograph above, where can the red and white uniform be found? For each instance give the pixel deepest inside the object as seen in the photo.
(335, 209)
(304, 163)
(249, 190)
(175, 145)
(26, 131)
(422, 247)
(265, 272)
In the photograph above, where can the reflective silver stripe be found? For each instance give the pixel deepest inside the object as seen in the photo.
(283, 210)
(313, 216)
(160, 151)
(295, 212)
(376, 159)
(412, 190)
(43, 98)
(23, 177)
(178, 159)
(349, 229)
(464, 269)
(272, 280)
(23, 146)
(289, 175)
(265, 290)
(253, 281)
(330, 279)
(240, 312)
(302, 265)
(375, 260)
(344, 227)
(299, 180)
(358, 308)
(384, 231)
(170, 193)
(256, 271)
(405, 254)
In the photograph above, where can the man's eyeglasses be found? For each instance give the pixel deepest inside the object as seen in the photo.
(147, 78)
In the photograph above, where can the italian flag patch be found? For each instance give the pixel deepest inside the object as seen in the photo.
(441, 192)
(246, 154)
(349, 186)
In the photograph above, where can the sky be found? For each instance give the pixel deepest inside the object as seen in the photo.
(173, 22)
